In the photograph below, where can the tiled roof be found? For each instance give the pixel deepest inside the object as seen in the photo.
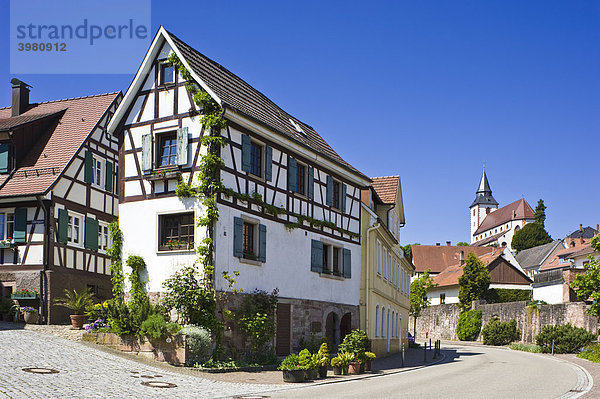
(534, 257)
(559, 260)
(586, 232)
(54, 148)
(518, 210)
(488, 239)
(451, 274)
(243, 98)
(386, 188)
(437, 258)
(12, 122)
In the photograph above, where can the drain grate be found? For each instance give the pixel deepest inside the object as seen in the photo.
(251, 397)
(158, 384)
(40, 370)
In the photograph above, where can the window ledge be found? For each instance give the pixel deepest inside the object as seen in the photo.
(250, 262)
(163, 174)
(175, 251)
(332, 276)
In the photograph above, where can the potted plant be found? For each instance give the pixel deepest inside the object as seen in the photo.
(291, 369)
(323, 360)
(354, 366)
(5, 305)
(305, 359)
(336, 364)
(369, 357)
(77, 302)
(30, 314)
(346, 358)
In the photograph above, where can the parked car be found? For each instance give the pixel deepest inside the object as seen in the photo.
(411, 339)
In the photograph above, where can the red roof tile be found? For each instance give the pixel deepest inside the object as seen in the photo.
(451, 274)
(386, 188)
(437, 258)
(517, 210)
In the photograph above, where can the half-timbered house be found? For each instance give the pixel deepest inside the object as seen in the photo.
(57, 197)
(272, 158)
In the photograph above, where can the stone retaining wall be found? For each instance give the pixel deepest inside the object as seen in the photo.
(439, 321)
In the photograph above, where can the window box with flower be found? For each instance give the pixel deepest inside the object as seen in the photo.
(24, 293)
(8, 243)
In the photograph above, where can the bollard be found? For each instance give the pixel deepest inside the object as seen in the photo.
(435, 349)
(425, 352)
(429, 344)
(402, 357)
(552, 347)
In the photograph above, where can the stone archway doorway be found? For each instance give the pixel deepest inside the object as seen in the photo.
(332, 331)
(345, 325)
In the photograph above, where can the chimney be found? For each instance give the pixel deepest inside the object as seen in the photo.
(580, 227)
(597, 227)
(462, 258)
(20, 97)
(581, 240)
(437, 244)
(448, 243)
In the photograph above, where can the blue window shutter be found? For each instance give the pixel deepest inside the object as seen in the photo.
(91, 234)
(268, 163)
(2, 221)
(329, 196)
(245, 153)
(109, 177)
(182, 146)
(147, 152)
(311, 183)
(292, 174)
(316, 256)
(63, 225)
(4, 155)
(238, 236)
(88, 173)
(262, 243)
(20, 234)
(343, 199)
(347, 263)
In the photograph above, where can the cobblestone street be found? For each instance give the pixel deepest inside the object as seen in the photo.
(87, 372)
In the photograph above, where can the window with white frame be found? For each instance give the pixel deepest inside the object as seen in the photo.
(99, 170)
(7, 226)
(378, 257)
(385, 259)
(383, 321)
(75, 229)
(176, 231)
(392, 324)
(377, 321)
(103, 237)
(166, 73)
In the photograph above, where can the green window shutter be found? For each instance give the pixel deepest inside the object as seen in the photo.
(182, 146)
(147, 152)
(63, 225)
(329, 196)
(343, 199)
(117, 179)
(262, 243)
(4, 155)
(20, 234)
(109, 177)
(268, 163)
(292, 174)
(311, 183)
(91, 234)
(88, 174)
(316, 256)
(245, 153)
(238, 236)
(347, 263)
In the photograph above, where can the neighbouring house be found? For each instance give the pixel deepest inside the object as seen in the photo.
(270, 159)
(493, 226)
(582, 235)
(437, 258)
(386, 271)
(552, 282)
(57, 197)
(503, 275)
(532, 259)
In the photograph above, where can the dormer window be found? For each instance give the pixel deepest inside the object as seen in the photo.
(166, 74)
(5, 160)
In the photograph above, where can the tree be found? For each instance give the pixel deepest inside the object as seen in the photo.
(531, 235)
(418, 296)
(587, 285)
(540, 213)
(474, 281)
(408, 251)
(462, 244)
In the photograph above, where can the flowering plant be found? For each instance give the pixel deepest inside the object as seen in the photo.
(94, 326)
(8, 241)
(24, 292)
(27, 309)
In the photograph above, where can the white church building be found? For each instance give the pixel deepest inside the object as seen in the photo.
(493, 226)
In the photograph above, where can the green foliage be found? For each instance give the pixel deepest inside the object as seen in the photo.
(292, 362)
(356, 342)
(199, 343)
(5, 304)
(305, 359)
(462, 244)
(540, 213)
(474, 281)
(76, 301)
(154, 327)
(116, 267)
(591, 353)
(346, 358)
(418, 296)
(313, 342)
(567, 339)
(256, 318)
(370, 356)
(469, 325)
(498, 333)
(323, 355)
(503, 295)
(184, 190)
(529, 236)
(587, 285)
(526, 348)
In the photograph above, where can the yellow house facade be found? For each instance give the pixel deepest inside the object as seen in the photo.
(386, 272)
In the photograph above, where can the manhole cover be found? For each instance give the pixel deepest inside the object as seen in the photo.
(40, 370)
(158, 384)
(251, 397)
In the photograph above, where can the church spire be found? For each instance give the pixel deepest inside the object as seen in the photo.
(483, 195)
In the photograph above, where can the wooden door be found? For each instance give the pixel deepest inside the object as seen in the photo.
(284, 329)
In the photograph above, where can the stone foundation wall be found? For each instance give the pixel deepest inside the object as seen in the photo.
(439, 322)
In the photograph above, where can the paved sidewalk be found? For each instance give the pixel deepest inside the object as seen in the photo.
(592, 368)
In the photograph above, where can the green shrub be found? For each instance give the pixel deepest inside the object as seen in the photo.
(498, 332)
(292, 362)
(591, 353)
(198, 342)
(5, 304)
(154, 327)
(503, 295)
(567, 339)
(305, 359)
(469, 325)
(356, 342)
(526, 348)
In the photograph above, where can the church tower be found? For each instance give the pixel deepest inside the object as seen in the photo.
(484, 204)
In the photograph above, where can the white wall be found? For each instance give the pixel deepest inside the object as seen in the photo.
(451, 295)
(551, 294)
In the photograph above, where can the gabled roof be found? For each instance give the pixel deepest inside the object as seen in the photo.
(437, 258)
(561, 258)
(232, 92)
(517, 210)
(535, 257)
(386, 188)
(585, 232)
(73, 121)
(483, 195)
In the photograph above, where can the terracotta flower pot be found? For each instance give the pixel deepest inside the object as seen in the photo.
(354, 368)
(77, 321)
(31, 317)
(337, 370)
(293, 375)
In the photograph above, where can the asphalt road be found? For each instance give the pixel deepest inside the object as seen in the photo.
(466, 372)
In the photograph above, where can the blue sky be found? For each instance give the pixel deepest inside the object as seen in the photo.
(428, 90)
